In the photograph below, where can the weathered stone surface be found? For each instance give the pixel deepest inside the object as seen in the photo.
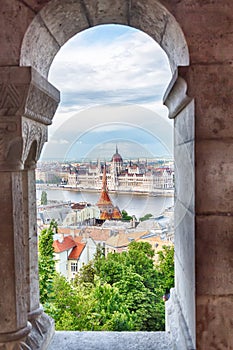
(207, 26)
(176, 98)
(35, 5)
(214, 259)
(185, 263)
(211, 86)
(185, 174)
(42, 331)
(107, 11)
(39, 47)
(184, 125)
(176, 324)
(111, 341)
(214, 322)
(185, 240)
(13, 310)
(14, 20)
(64, 18)
(214, 181)
(162, 27)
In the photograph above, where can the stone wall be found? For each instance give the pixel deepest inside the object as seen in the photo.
(196, 34)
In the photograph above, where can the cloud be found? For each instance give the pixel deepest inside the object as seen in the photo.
(130, 68)
(110, 76)
(112, 123)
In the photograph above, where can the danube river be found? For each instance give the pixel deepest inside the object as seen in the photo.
(134, 204)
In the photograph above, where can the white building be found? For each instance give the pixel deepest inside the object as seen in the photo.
(82, 214)
(71, 253)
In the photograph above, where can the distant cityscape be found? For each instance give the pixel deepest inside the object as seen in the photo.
(136, 175)
(83, 226)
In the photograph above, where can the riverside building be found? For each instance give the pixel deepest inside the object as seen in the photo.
(123, 176)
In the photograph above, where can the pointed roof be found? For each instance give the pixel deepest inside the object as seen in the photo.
(77, 251)
(117, 157)
(104, 196)
(66, 244)
(116, 213)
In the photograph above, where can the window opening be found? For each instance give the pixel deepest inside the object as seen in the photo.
(110, 104)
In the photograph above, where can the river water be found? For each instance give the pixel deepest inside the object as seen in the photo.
(137, 205)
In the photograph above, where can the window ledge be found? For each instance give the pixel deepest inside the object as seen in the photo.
(111, 341)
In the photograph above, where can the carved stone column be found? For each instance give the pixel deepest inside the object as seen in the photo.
(27, 105)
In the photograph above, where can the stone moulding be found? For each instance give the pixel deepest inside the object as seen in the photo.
(175, 98)
(12, 337)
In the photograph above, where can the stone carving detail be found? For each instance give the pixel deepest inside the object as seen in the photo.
(23, 91)
(7, 134)
(19, 345)
(33, 131)
(38, 338)
(42, 330)
(12, 98)
(40, 106)
(16, 141)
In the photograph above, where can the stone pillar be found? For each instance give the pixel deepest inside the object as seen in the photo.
(27, 105)
(13, 309)
(212, 86)
(180, 309)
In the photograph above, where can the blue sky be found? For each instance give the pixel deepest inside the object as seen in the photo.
(112, 80)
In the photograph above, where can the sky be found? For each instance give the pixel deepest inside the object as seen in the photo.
(112, 79)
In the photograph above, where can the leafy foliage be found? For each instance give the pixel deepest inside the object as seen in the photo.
(120, 292)
(165, 268)
(146, 217)
(46, 262)
(125, 216)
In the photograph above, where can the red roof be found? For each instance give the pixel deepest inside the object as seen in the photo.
(66, 244)
(116, 213)
(76, 251)
(104, 199)
(104, 215)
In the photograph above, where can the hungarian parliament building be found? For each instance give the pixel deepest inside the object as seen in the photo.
(122, 176)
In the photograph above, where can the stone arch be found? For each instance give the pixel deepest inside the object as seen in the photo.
(59, 20)
(56, 23)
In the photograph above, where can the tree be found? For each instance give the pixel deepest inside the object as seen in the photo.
(125, 216)
(46, 262)
(43, 198)
(146, 217)
(120, 292)
(165, 267)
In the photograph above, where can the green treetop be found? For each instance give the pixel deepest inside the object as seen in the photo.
(46, 261)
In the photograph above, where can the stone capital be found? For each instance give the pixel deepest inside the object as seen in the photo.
(27, 105)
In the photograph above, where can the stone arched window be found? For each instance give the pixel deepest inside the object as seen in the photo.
(37, 101)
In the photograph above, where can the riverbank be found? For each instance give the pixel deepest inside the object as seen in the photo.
(157, 193)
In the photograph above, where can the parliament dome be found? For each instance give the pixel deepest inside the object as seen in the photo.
(117, 157)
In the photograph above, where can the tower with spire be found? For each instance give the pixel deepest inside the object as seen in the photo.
(117, 162)
(107, 210)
